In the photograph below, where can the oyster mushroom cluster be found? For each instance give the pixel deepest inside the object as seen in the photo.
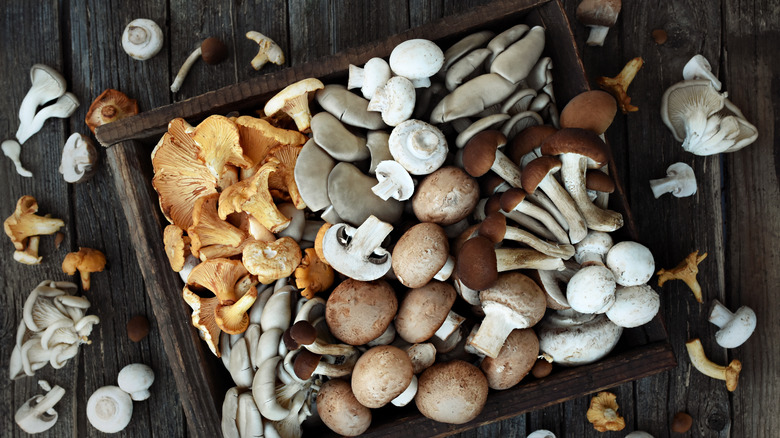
(701, 117)
(53, 327)
(409, 200)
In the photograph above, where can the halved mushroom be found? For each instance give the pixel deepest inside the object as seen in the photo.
(357, 253)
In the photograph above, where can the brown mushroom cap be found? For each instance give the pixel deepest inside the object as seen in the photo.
(511, 198)
(493, 227)
(445, 197)
(577, 141)
(514, 361)
(213, 51)
(592, 110)
(419, 254)
(423, 310)
(452, 392)
(340, 410)
(537, 170)
(380, 375)
(476, 263)
(599, 181)
(480, 152)
(359, 311)
(528, 139)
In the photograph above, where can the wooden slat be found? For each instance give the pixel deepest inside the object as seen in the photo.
(194, 378)
(752, 203)
(253, 92)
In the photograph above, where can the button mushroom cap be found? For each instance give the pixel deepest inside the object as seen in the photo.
(78, 158)
(135, 379)
(452, 392)
(423, 311)
(109, 409)
(420, 253)
(395, 100)
(735, 328)
(446, 196)
(634, 306)
(416, 59)
(593, 248)
(37, 414)
(591, 289)
(142, 39)
(515, 301)
(572, 338)
(381, 374)
(680, 181)
(360, 311)
(86, 261)
(632, 263)
(514, 361)
(418, 146)
(340, 410)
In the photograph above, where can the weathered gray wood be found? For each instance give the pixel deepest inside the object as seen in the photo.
(752, 202)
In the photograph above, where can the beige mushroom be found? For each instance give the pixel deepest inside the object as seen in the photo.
(452, 392)
(269, 51)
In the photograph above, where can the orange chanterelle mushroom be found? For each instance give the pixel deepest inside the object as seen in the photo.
(258, 137)
(86, 261)
(110, 106)
(234, 293)
(24, 227)
(603, 413)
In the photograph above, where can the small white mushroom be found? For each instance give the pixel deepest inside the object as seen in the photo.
(269, 51)
(212, 50)
(591, 290)
(62, 108)
(47, 84)
(135, 379)
(570, 338)
(374, 74)
(37, 414)
(699, 68)
(631, 263)
(12, 149)
(394, 181)
(395, 100)
(416, 59)
(680, 181)
(541, 433)
(634, 306)
(735, 328)
(109, 409)
(78, 158)
(142, 39)
(418, 146)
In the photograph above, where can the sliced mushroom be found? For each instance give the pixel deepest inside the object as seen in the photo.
(268, 50)
(357, 253)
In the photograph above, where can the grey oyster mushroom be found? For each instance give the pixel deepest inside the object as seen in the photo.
(142, 39)
(416, 60)
(248, 420)
(378, 143)
(735, 327)
(53, 326)
(47, 85)
(311, 174)
(268, 50)
(747, 133)
(686, 107)
(79, 157)
(335, 139)
(540, 77)
(37, 414)
(520, 121)
(109, 409)
(464, 46)
(374, 74)
(634, 305)
(418, 146)
(229, 414)
(135, 379)
(62, 108)
(518, 102)
(472, 97)
(516, 61)
(680, 181)
(12, 149)
(466, 68)
(699, 68)
(394, 100)
(348, 107)
(571, 338)
(488, 122)
(599, 15)
(500, 42)
(357, 252)
(349, 191)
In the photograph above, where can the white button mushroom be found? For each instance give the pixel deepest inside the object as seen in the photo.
(418, 146)
(541, 433)
(395, 100)
(571, 338)
(394, 181)
(591, 290)
(109, 409)
(142, 39)
(135, 379)
(416, 59)
(634, 306)
(37, 414)
(680, 181)
(374, 74)
(78, 158)
(632, 263)
(735, 328)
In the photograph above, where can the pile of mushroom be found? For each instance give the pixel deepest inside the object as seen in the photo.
(421, 181)
(701, 117)
(54, 325)
(110, 408)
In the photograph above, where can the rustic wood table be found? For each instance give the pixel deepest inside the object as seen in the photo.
(734, 216)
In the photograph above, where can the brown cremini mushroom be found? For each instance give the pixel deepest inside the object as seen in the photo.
(421, 254)
(452, 392)
(602, 413)
(685, 271)
(446, 196)
(593, 110)
(86, 261)
(340, 410)
(110, 106)
(380, 375)
(481, 154)
(425, 312)
(360, 311)
(494, 227)
(599, 15)
(618, 85)
(515, 360)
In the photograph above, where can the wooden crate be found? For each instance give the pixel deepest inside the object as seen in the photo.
(201, 378)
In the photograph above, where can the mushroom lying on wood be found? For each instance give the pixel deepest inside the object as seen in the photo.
(699, 68)
(729, 373)
(85, 261)
(109, 409)
(680, 181)
(47, 84)
(12, 149)
(212, 50)
(618, 85)
(735, 327)
(268, 51)
(135, 379)
(110, 106)
(78, 158)
(142, 39)
(37, 414)
(62, 108)
(685, 271)
(602, 413)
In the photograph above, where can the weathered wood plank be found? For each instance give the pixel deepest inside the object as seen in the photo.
(752, 201)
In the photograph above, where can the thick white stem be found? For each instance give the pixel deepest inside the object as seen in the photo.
(573, 172)
(446, 270)
(450, 324)
(597, 35)
(492, 333)
(506, 169)
(578, 229)
(405, 397)
(720, 315)
(185, 68)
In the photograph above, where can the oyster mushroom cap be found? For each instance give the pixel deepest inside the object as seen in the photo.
(78, 158)
(109, 409)
(686, 105)
(336, 139)
(572, 338)
(142, 39)
(348, 107)
(350, 192)
(47, 84)
(516, 61)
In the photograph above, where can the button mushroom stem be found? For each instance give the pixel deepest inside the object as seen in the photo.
(729, 373)
(185, 68)
(685, 271)
(449, 326)
(445, 271)
(405, 397)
